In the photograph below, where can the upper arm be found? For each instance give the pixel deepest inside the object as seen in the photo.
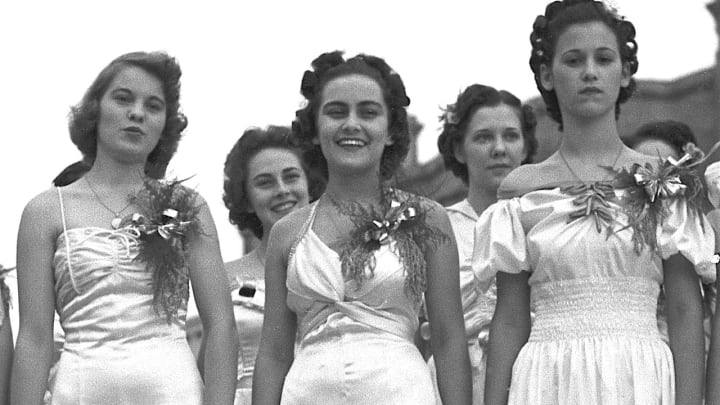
(279, 325)
(513, 298)
(443, 277)
(35, 252)
(681, 283)
(207, 272)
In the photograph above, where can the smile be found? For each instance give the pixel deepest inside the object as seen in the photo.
(282, 207)
(352, 142)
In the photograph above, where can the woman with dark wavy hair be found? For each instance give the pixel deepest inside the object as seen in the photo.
(486, 134)
(587, 237)
(348, 273)
(113, 251)
(265, 179)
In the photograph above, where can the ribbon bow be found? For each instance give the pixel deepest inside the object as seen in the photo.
(171, 229)
(658, 186)
(380, 230)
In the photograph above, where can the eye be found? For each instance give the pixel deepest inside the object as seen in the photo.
(263, 183)
(122, 97)
(369, 112)
(511, 135)
(483, 137)
(291, 177)
(335, 111)
(155, 106)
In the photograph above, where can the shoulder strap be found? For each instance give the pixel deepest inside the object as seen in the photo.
(64, 223)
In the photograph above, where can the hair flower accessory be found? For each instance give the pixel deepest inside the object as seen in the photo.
(449, 115)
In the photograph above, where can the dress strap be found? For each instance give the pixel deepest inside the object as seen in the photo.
(64, 223)
(306, 226)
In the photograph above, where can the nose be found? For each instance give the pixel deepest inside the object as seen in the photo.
(136, 112)
(351, 124)
(282, 188)
(499, 147)
(590, 72)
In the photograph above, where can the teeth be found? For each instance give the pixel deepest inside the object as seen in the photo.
(351, 142)
(283, 207)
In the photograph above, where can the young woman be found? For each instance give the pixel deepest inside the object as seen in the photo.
(347, 274)
(265, 179)
(113, 252)
(593, 236)
(486, 134)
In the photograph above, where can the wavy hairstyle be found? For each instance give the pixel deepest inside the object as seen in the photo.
(332, 65)
(674, 133)
(458, 116)
(84, 116)
(559, 15)
(252, 142)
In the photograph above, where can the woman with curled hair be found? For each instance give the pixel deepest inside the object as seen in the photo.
(113, 249)
(585, 240)
(486, 134)
(348, 273)
(265, 179)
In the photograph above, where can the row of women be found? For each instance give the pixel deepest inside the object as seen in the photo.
(329, 304)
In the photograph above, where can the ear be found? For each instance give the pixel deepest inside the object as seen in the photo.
(626, 75)
(546, 77)
(458, 152)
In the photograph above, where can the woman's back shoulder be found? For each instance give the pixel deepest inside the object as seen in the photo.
(530, 176)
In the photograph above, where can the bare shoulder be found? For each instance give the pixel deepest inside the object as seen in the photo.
(42, 216)
(285, 231)
(529, 175)
(434, 213)
(631, 157)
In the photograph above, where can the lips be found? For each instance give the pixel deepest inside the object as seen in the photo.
(134, 130)
(590, 91)
(283, 206)
(354, 142)
(499, 166)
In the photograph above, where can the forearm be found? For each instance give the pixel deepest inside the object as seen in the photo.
(712, 383)
(220, 364)
(30, 370)
(453, 370)
(687, 345)
(6, 358)
(506, 340)
(268, 379)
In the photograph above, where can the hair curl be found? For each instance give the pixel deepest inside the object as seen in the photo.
(559, 15)
(84, 116)
(457, 117)
(252, 142)
(332, 65)
(674, 133)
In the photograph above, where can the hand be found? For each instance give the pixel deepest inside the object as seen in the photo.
(712, 178)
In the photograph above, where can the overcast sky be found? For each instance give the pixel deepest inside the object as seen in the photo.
(242, 64)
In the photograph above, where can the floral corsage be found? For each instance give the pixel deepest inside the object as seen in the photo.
(4, 292)
(402, 219)
(168, 214)
(648, 187)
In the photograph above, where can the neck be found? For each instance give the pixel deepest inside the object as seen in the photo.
(480, 199)
(361, 188)
(586, 137)
(117, 174)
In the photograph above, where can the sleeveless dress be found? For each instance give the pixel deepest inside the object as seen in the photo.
(355, 342)
(249, 314)
(594, 338)
(478, 306)
(117, 349)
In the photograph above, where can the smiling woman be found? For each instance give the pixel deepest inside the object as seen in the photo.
(347, 274)
(92, 251)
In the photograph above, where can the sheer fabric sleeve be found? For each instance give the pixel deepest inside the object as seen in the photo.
(500, 243)
(689, 233)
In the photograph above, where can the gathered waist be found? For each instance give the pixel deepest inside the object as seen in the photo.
(595, 307)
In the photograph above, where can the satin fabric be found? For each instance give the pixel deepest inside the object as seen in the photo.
(117, 349)
(355, 341)
(594, 339)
